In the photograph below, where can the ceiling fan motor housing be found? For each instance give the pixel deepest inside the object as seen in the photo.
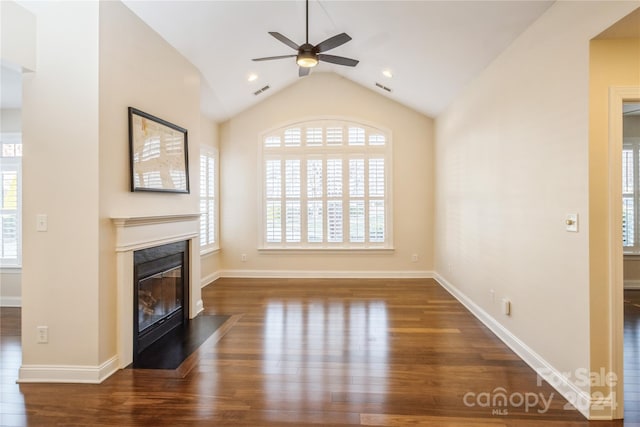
(307, 56)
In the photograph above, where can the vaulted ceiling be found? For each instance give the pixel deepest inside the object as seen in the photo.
(431, 48)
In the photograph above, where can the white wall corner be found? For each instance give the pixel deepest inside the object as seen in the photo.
(578, 398)
(68, 373)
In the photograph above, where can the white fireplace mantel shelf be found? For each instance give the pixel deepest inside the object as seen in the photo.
(129, 221)
(140, 232)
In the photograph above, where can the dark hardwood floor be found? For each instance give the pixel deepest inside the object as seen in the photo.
(313, 352)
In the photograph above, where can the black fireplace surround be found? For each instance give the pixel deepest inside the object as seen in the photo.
(161, 294)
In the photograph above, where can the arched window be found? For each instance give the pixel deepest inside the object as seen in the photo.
(326, 184)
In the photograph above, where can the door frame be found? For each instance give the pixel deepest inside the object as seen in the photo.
(617, 96)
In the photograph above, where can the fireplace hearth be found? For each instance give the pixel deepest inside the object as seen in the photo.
(160, 293)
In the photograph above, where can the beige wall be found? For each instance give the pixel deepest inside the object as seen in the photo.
(512, 160)
(17, 36)
(632, 123)
(10, 120)
(322, 95)
(94, 60)
(60, 166)
(11, 287)
(631, 272)
(10, 278)
(138, 69)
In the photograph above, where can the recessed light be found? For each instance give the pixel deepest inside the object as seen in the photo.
(252, 77)
(387, 73)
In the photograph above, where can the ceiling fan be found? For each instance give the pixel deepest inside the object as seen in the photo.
(308, 55)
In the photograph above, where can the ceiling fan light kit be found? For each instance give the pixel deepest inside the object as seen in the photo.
(309, 55)
(307, 58)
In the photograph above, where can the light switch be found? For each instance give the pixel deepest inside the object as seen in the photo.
(571, 222)
(41, 222)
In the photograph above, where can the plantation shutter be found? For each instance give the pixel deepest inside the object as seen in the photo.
(10, 200)
(325, 186)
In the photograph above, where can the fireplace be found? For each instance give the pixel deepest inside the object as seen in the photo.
(160, 295)
(135, 234)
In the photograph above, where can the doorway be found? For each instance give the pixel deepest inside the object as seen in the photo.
(622, 233)
(631, 262)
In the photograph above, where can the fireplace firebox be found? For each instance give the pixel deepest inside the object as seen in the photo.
(160, 293)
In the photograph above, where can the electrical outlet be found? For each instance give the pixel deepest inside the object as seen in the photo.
(243, 257)
(414, 258)
(42, 222)
(43, 334)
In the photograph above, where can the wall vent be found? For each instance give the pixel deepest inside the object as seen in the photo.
(381, 86)
(259, 91)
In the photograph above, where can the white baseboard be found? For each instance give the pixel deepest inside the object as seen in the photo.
(632, 284)
(581, 399)
(10, 301)
(68, 373)
(206, 280)
(299, 274)
(199, 307)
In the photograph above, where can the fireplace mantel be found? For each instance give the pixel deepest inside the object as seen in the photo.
(141, 232)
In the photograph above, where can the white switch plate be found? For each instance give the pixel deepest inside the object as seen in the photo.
(43, 334)
(41, 222)
(571, 222)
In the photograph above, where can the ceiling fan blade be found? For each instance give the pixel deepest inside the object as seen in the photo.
(303, 71)
(269, 58)
(332, 42)
(284, 40)
(340, 60)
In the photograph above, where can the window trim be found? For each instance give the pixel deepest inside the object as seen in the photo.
(634, 143)
(14, 162)
(213, 152)
(326, 152)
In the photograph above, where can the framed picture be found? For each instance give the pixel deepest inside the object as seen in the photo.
(158, 154)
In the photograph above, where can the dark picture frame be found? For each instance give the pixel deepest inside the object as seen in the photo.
(158, 154)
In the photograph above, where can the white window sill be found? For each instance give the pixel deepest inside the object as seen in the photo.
(325, 250)
(11, 270)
